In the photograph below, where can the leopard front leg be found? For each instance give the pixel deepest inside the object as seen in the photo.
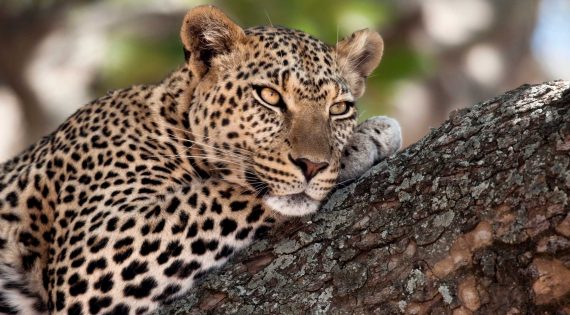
(373, 140)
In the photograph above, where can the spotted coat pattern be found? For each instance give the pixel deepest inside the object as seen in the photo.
(141, 192)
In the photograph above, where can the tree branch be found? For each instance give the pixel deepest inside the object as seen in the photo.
(474, 218)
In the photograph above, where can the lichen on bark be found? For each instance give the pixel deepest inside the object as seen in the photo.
(472, 219)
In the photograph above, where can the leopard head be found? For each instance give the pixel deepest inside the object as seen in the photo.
(274, 107)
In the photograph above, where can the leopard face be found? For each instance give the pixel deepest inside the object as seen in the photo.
(274, 107)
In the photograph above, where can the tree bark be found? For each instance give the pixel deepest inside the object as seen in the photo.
(473, 219)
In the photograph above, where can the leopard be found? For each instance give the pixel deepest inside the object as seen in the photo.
(141, 193)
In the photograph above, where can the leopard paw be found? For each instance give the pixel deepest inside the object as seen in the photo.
(373, 140)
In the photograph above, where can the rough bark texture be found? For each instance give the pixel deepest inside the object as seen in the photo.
(472, 219)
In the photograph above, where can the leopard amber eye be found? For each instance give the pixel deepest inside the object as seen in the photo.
(339, 108)
(270, 96)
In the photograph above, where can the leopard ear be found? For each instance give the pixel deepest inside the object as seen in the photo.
(206, 33)
(357, 56)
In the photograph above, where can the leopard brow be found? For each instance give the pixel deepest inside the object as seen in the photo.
(284, 79)
(341, 89)
(336, 91)
(275, 80)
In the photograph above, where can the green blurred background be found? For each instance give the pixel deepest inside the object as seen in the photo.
(440, 55)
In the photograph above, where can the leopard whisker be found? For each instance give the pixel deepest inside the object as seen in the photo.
(258, 185)
(204, 147)
(205, 138)
(216, 150)
(343, 182)
(203, 157)
(209, 146)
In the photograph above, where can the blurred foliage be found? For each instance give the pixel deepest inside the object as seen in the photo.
(136, 58)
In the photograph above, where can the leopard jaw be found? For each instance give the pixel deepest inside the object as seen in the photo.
(292, 205)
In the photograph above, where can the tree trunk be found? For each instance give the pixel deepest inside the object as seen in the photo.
(473, 219)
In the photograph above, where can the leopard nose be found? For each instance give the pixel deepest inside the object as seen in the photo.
(309, 168)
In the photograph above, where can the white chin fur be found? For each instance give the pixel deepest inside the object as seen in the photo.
(292, 205)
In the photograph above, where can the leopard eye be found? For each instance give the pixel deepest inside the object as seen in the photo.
(339, 108)
(269, 96)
